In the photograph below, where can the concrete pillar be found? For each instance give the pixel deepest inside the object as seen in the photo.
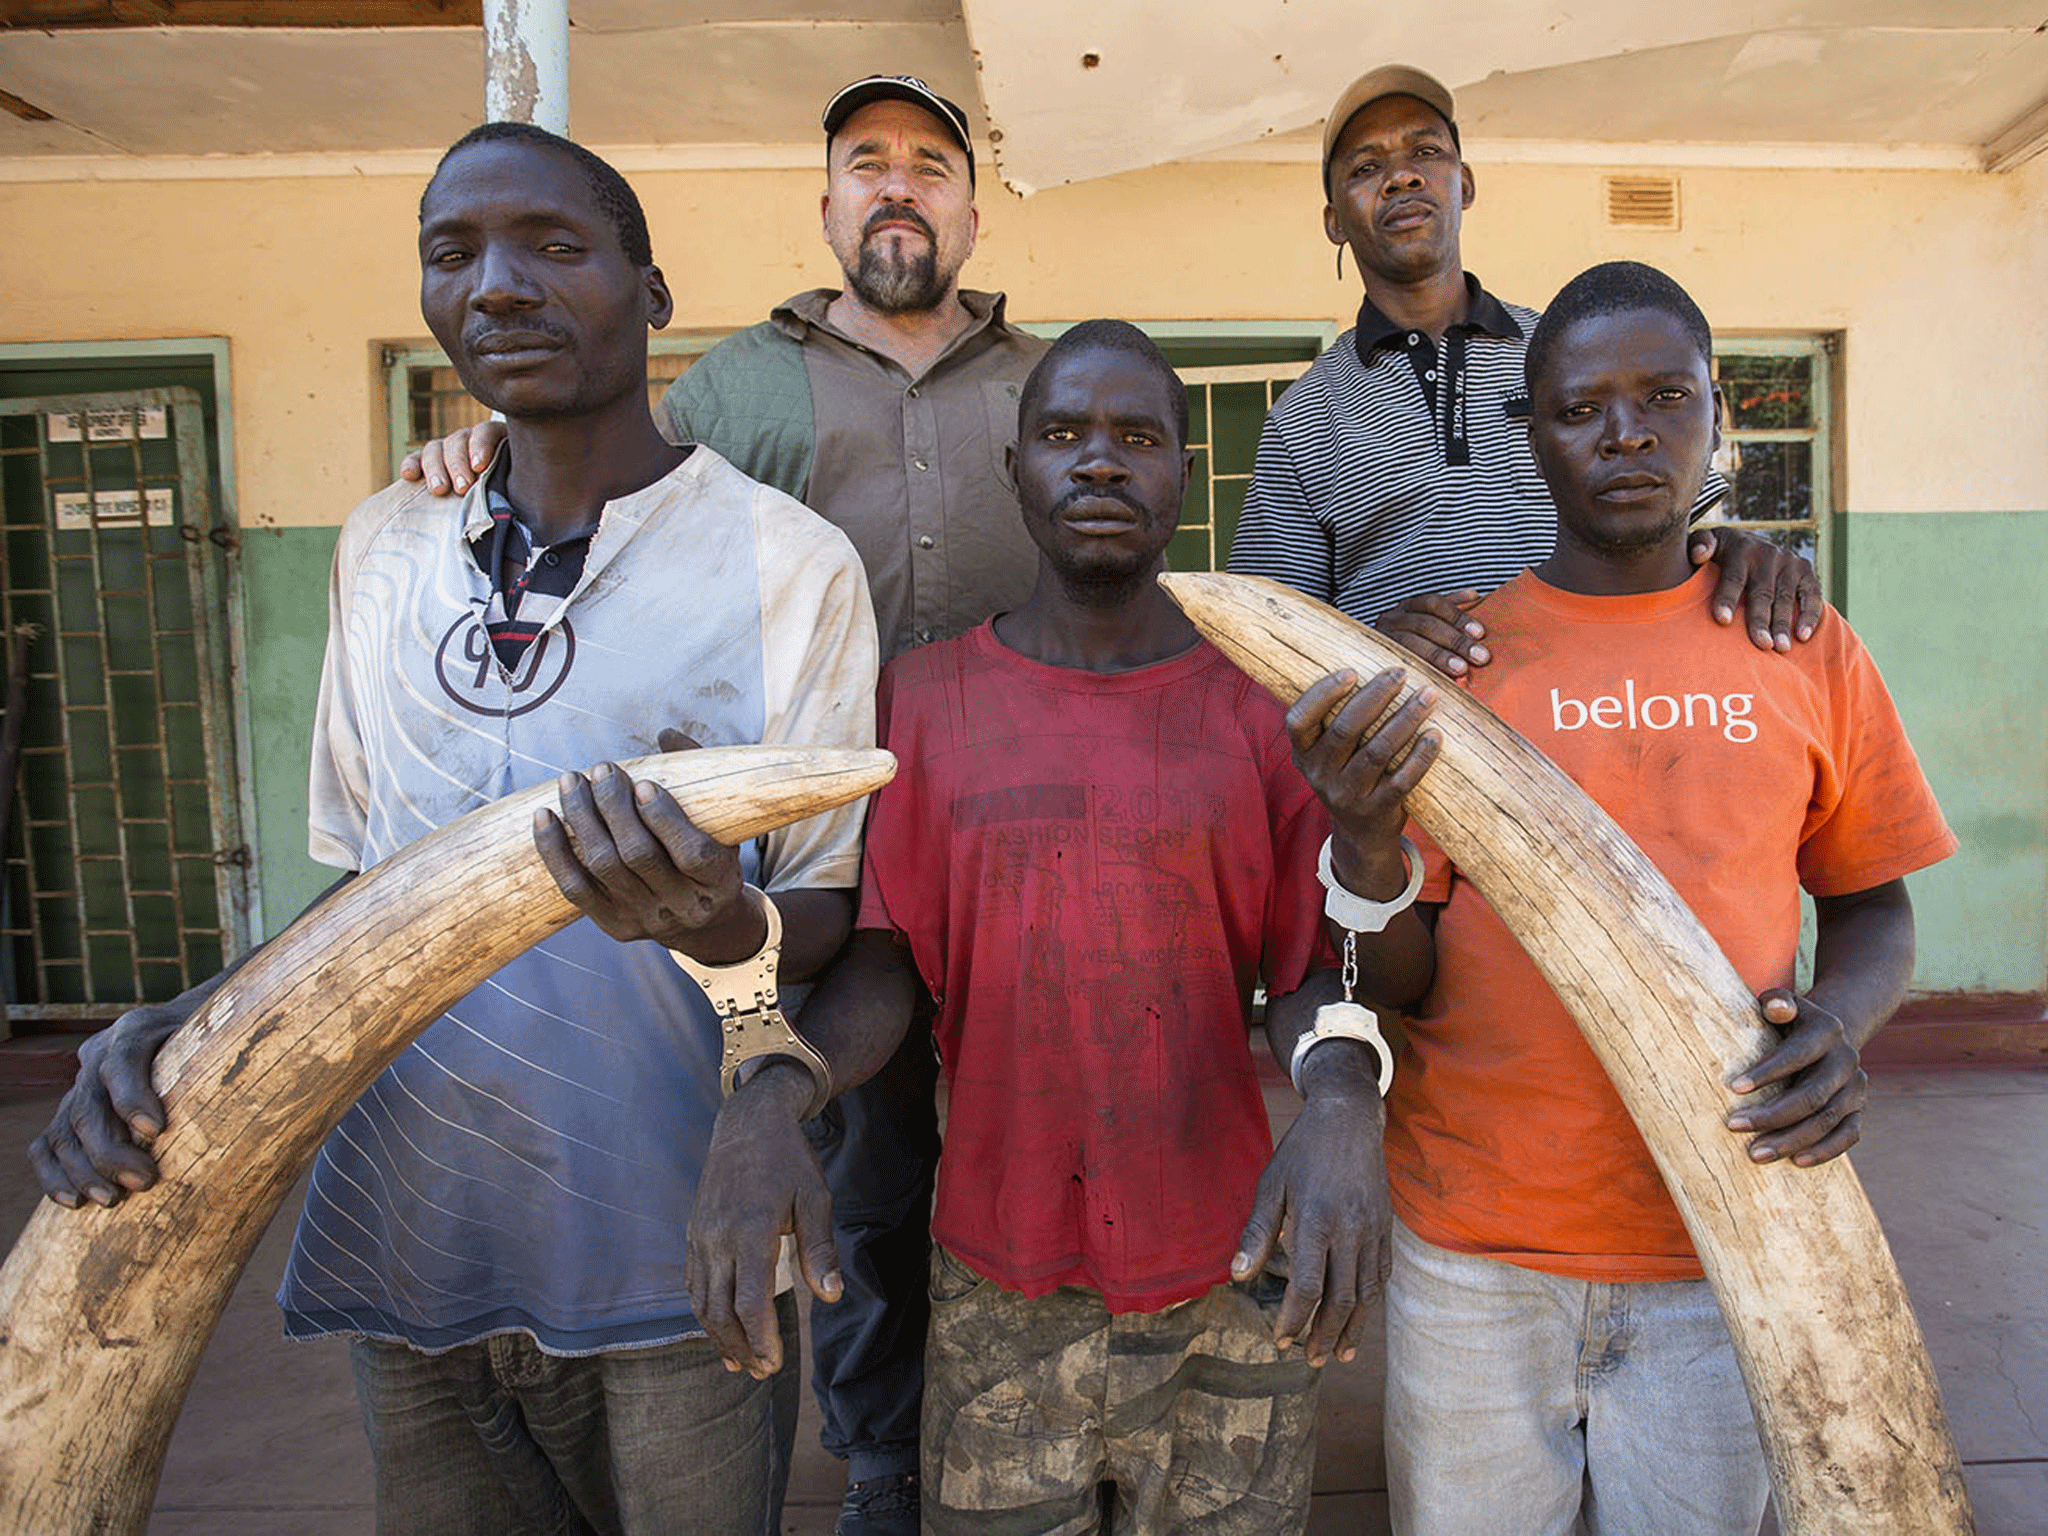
(526, 62)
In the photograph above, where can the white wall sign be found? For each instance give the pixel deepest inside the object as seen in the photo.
(110, 426)
(116, 509)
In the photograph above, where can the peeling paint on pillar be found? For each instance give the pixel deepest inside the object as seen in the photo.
(527, 62)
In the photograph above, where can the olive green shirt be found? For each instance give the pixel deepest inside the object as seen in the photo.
(910, 469)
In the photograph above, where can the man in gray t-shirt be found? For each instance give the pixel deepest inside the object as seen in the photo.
(497, 1225)
(887, 407)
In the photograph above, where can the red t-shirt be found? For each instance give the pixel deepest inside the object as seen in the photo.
(1092, 872)
(1744, 775)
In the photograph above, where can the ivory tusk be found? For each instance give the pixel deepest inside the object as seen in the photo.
(1845, 1398)
(104, 1313)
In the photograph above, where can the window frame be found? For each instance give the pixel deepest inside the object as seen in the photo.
(1822, 348)
(398, 359)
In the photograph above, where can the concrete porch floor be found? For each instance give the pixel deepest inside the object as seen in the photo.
(1955, 1161)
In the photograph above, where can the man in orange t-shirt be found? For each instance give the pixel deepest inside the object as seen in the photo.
(1553, 1352)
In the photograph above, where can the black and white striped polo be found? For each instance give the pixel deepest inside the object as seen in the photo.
(1393, 467)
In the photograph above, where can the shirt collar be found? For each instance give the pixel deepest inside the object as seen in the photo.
(477, 502)
(481, 504)
(795, 315)
(1483, 312)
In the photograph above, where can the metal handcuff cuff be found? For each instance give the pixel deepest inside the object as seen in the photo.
(750, 1024)
(1355, 914)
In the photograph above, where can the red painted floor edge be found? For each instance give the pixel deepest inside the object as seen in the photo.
(1964, 1029)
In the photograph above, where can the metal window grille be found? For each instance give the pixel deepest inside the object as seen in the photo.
(125, 870)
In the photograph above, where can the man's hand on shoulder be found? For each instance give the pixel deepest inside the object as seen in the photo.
(1436, 627)
(1776, 589)
(449, 465)
(761, 1181)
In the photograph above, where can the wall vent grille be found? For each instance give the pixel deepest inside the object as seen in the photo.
(1641, 202)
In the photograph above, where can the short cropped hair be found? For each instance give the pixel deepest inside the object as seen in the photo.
(1612, 288)
(1106, 336)
(614, 197)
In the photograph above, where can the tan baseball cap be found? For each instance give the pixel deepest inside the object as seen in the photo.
(1387, 80)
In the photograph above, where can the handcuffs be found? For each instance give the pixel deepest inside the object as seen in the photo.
(750, 1022)
(1355, 914)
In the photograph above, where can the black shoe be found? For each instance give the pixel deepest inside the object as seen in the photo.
(880, 1506)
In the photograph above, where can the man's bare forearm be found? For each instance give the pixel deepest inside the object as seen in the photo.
(815, 924)
(855, 1017)
(1863, 957)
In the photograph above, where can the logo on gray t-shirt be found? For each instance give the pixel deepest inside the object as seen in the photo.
(470, 673)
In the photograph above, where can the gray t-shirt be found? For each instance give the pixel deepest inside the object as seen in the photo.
(530, 1161)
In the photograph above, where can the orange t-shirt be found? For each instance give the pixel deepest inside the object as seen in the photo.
(1743, 775)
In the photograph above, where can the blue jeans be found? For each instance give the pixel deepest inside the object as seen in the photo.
(879, 1146)
(1520, 1401)
(497, 1438)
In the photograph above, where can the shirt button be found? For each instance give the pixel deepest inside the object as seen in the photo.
(925, 541)
(1429, 374)
(912, 391)
(1414, 340)
(919, 464)
(551, 558)
(924, 637)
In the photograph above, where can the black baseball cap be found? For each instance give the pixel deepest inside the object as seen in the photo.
(849, 99)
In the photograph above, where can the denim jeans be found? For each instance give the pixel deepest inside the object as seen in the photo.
(879, 1146)
(1525, 1402)
(497, 1438)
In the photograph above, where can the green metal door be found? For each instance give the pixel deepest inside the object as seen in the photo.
(126, 869)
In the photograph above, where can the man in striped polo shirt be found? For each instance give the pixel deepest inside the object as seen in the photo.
(1394, 478)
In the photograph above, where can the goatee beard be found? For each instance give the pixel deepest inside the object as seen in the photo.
(904, 284)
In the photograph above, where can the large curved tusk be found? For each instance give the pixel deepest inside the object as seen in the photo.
(1845, 1397)
(104, 1313)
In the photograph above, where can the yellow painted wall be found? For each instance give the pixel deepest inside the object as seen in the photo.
(1938, 279)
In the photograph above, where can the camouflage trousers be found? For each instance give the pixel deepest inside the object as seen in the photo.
(1050, 1416)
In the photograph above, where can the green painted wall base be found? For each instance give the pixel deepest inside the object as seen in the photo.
(1952, 606)
(284, 613)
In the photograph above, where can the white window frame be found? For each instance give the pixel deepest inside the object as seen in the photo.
(1822, 349)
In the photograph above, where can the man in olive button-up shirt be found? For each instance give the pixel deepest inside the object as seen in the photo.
(887, 407)
(908, 464)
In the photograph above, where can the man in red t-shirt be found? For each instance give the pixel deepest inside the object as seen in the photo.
(1553, 1354)
(1096, 846)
